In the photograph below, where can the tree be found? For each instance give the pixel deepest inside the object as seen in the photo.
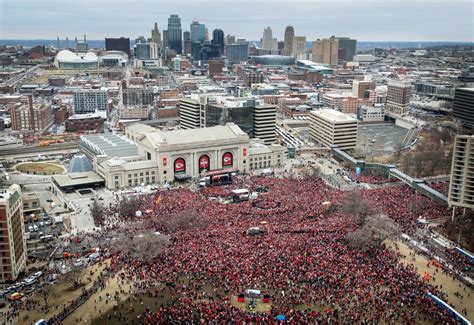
(75, 276)
(129, 205)
(374, 231)
(183, 220)
(357, 207)
(96, 211)
(46, 292)
(144, 246)
(310, 172)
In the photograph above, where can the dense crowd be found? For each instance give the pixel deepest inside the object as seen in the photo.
(302, 260)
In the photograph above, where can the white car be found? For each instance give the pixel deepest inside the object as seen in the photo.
(79, 263)
(30, 228)
(37, 274)
(35, 228)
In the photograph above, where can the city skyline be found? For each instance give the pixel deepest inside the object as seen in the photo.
(367, 20)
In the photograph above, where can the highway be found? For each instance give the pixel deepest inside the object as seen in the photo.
(29, 151)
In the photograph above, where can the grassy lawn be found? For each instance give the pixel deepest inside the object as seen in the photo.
(40, 168)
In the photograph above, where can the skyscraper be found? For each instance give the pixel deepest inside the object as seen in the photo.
(267, 39)
(155, 35)
(326, 51)
(198, 32)
(165, 39)
(347, 48)
(237, 52)
(175, 34)
(461, 186)
(218, 39)
(299, 45)
(187, 42)
(118, 44)
(289, 35)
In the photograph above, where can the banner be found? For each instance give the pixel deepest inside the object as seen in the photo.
(179, 165)
(204, 163)
(227, 159)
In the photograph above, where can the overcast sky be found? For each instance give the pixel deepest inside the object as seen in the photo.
(370, 20)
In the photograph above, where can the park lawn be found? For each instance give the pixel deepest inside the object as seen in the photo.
(40, 168)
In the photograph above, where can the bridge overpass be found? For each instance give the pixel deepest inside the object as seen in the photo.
(391, 171)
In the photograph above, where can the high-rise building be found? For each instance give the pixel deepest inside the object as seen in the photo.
(28, 117)
(288, 39)
(189, 113)
(238, 52)
(215, 67)
(264, 123)
(165, 39)
(209, 51)
(229, 39)
(267, 41)
(331, 127)
(299, 45)
(175, 34)
(347, 48)
(326, 51)
(461, 185)
(218, 39)
(90, 101)
(12, 234)
(463, 106)
(198, 32)
(187, 43)
(398, 97)
(360, 89)
(118, 44)
(155, 35)
(138, 96)
(253, 77)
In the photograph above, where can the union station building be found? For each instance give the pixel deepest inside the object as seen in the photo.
(151, 156)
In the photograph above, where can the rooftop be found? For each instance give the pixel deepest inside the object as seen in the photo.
(75, 179)
(110, 144)
(333, 116)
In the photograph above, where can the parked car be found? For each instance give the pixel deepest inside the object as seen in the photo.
(29, 281)
(41, 224)
(79, 263)
(30, 228)
(16, 296)
(29, 290)
(52, 277)
(35, 228)
(37, 274)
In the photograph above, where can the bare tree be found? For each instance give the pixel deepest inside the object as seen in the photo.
(129, 205)
(374, 231)
(310, 172)
(75, 276)
(183, 220)
(144, 246)
(96, 210)
(356, 206)
(46, 293)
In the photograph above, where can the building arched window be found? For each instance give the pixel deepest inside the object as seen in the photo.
(204, 163)
(179, 166)
(227, 160)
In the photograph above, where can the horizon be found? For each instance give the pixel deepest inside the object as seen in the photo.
(402, 20)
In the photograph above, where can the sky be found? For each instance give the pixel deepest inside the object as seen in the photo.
(369, 20)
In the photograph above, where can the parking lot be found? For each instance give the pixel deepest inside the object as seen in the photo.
(379, 139)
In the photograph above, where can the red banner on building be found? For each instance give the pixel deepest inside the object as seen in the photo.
(204, 163)
(179, 165)
(165, 162)
(244, 152)
(227, 159)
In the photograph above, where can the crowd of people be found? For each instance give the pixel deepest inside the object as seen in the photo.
(301, 260)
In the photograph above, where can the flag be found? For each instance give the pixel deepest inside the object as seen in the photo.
(158, 200)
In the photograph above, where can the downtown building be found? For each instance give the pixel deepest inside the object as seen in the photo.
(398, 97)
(118, 44)
(461, 185)
(90, 101)
(174, 34)
(12, 234)
(463, 106)
(137, 96)
(30, 117)
(330, 127)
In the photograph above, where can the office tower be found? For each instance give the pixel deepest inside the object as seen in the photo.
(137, 96)
(264, 123)
(175, 35)
(12, 234)
(360, 89)
(165, 39)
(142, 51)
(90, 101)
(461, 186)
(398, 97)
(463, 106)
(209, 51)
(155, 35)
(229, 39)
(347, 48)
(326, 51)
(218, 39)
(331, 127)
(288, 39)
(118, 44)
(267, 39)
(198, 32)
(29, 117)
(140, 39)
(189, 113)
(299, 45)
(206, 34)
(186, 43)
(196, 50)
(281, 47)
(237, 52)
